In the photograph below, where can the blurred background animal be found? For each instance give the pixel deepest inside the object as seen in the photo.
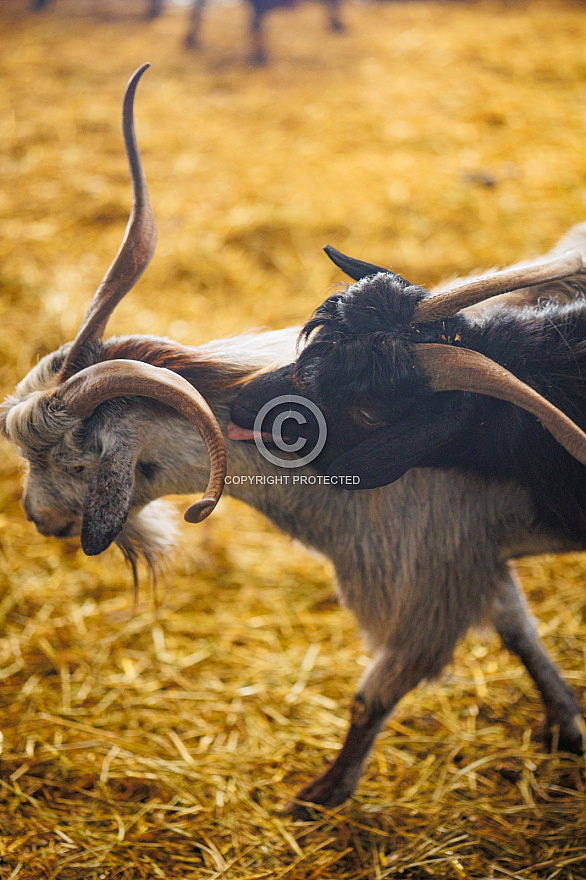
(257, 53)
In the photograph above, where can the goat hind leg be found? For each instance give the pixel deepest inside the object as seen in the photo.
(390, 676)
(564, 723)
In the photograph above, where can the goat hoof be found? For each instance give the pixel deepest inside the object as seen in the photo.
(301, 812)
(322, 792)
(191, 42)
(258, 58)
(566, 738)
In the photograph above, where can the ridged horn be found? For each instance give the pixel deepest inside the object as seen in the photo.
(449, 300)
(460, 369)
(88, 388)
(137, 246)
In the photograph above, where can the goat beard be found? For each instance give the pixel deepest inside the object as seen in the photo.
(149, 534)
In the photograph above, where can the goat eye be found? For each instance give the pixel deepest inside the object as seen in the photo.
(369, 419)
(78, 469)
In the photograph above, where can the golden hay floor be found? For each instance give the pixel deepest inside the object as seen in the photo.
(161, 745)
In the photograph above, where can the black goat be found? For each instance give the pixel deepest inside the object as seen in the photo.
(402, 378)
(257, 51)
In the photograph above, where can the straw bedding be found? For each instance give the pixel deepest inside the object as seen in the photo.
(162, 743)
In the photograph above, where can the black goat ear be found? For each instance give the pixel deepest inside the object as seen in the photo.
(356, 269)
(108, 500)
(414, 440)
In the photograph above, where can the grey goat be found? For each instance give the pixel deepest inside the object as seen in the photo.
(418, 562)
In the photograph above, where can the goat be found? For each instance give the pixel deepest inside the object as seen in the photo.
(258, 54)
(418, 562)
(414, 380)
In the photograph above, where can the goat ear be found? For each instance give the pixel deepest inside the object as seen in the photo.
(414, 440)
(108, 500)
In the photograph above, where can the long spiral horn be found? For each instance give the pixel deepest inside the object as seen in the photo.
(137, 246)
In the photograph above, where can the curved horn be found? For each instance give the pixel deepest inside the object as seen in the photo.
(446, 302)
(460, 369)
(86, 390)
(356, 269)
(137, 246)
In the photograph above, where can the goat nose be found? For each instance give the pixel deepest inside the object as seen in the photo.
(50, 523)
(56, 529)
(28, 511)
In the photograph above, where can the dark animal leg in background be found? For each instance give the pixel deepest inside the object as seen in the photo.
(195, 15)
(154, 8)
(517, 631)
(339, 781)
(335, 22)
(258, 53)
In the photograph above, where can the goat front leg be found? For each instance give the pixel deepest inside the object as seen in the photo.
(191, 40)
(258, 53)
(564, 723)
(335, 22)
(389, 677)
(339, 781)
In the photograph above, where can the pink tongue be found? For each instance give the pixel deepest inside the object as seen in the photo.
(235, 432)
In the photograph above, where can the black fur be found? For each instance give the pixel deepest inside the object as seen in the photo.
(359, 354)
(336, 365)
